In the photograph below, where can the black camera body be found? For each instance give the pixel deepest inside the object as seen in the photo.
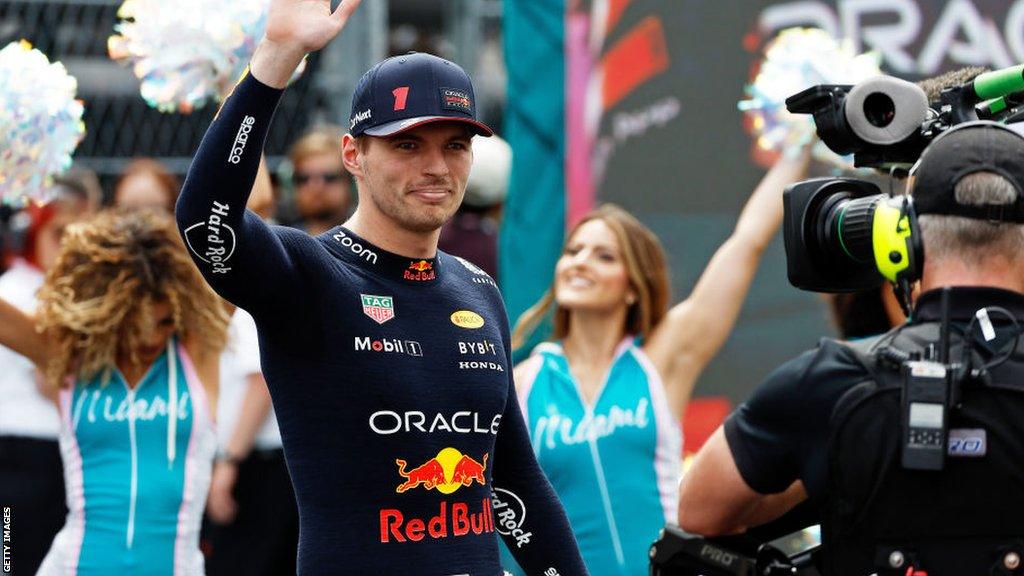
(810, 234)
(844, 234)
(677, 553)
(883, 122)
(827, 104)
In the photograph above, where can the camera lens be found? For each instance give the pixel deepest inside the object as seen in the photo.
(879, 109)
(848, 228)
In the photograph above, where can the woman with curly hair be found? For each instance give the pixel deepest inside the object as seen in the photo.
(130, 336)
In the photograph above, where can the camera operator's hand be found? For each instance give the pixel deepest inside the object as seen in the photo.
(295, 28)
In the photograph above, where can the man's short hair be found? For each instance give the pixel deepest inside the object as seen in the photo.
(972, 240)
(361, 141)
(318, 141)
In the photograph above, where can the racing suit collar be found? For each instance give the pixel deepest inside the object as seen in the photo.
(350, 247)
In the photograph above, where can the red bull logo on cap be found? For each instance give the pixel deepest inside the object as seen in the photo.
(446, 472)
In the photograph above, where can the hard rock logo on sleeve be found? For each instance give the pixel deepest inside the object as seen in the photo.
(213, 240)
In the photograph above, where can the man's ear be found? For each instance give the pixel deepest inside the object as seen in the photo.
(351, 155)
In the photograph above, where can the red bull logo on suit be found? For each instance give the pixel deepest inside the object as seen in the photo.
(455, 520)
(446, 472)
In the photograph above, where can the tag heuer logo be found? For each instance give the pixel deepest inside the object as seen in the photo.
(380, 308)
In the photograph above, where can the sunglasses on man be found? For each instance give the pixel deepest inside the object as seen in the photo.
(303, 178)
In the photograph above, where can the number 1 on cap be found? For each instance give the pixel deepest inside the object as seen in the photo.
(401, 94)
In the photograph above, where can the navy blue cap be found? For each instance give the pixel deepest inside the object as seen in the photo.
(407, 91)
(980, 146)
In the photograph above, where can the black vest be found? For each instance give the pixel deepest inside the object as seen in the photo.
(967, 519)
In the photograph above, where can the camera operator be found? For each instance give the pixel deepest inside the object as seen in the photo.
(828, 427)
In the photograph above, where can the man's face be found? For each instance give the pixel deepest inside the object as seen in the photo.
(416, 178)
(321, 187)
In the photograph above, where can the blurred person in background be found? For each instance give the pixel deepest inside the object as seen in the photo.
(87, 182)
(128, 338)
(473, 232)
(322, 185)
(31, 476)
(603, 399)
(252, 521)
(6, 213)
(863, 314)
(146, 183)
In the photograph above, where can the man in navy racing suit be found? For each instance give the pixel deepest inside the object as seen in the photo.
(388, 362)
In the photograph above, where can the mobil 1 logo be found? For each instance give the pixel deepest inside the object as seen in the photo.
(213, 240)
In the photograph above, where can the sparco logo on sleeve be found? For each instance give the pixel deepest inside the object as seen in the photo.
(241, 139)
(216, 236)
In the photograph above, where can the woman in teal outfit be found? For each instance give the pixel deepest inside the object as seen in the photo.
(129, 337)
(603, 399)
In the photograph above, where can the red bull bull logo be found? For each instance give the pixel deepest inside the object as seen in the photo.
(446, 472)
(421, 271)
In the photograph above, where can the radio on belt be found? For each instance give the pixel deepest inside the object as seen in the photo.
(925, 406)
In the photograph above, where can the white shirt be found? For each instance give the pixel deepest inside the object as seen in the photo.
(241, 359)
(23, 410)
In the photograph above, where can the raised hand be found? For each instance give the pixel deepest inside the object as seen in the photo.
(295, 28)
(306, 24)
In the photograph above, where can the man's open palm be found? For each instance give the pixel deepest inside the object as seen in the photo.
(308, 24)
